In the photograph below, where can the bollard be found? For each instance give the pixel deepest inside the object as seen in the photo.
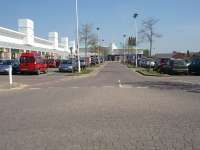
(10, 75)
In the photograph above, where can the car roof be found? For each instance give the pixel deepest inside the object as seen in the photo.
(30, 55)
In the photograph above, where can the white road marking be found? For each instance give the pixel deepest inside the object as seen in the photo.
(75, 87)
(140, 87)
(34, 88)
(120, 85)
(108, 86)
(127, 87)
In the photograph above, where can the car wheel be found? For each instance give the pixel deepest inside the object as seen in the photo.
(38, 72)
(46, 70)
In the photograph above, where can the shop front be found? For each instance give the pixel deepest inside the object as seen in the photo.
(5, 53)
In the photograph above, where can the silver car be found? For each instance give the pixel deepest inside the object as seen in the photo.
(4, 66)
(68, 65)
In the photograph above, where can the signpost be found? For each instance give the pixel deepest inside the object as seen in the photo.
(10, 75)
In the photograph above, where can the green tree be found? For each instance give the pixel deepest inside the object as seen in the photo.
(146, 52)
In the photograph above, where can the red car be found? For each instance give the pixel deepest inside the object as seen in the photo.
(51, 63)
(32, 63)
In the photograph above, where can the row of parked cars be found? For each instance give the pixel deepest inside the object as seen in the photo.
(34, 63)
(71, 65)
(171, 65)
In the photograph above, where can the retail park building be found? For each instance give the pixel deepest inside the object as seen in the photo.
(13, 43)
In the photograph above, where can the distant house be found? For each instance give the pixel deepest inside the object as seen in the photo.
(194, 55)
(179, 55)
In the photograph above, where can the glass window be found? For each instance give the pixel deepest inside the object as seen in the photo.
(27, 59)
(179, 62)
(67, 62)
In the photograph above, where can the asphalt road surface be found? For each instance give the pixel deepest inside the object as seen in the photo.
(117, 109)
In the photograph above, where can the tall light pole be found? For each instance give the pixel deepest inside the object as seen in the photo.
(98, 44)
(136, 39)
(103, 49)
(77, 37)
(124, 46)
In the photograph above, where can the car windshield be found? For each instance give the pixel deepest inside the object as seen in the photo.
(164, 60)
(27, 59)
(5, 62)
(82, 60)
(196, 62)
(16, 61)
(179, 62)
(66, 62)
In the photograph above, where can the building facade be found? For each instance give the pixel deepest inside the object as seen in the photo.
(13, 43)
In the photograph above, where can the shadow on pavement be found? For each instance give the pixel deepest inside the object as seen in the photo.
(194, 88)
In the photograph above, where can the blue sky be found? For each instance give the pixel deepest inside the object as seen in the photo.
(179, 19)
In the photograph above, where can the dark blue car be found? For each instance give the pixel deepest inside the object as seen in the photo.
(194, 67)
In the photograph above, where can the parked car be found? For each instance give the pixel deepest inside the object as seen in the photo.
(57, 62)
(4, 66)
(94, 60)
(176, 66)
(142, 62)
(69, 65)
(101, 59)
(194, 67)
(83, 63)
(32, 63)
(51, 63)
(160, 63)
(15, 66)
(188, 62)
(150, 63)
(87, 61)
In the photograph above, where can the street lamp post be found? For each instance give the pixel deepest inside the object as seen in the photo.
(103, 49)
(77, 36)
(136, 39)
(98, 44)
(124, 46)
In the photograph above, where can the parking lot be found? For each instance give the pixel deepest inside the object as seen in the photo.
(54, 76)
(116, 109)
(31, 79)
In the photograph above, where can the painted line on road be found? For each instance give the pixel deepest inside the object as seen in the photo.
(142, 87)
(75, 87)
(108, 86)
(127, 87)
(119, 82)
(34, 88)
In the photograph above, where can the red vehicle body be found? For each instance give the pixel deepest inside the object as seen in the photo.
(32, 63)
(51, 63)
(57, 63)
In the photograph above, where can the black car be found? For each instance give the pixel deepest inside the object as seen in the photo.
(94, 60)
(194, 67)
(176, 66)
(160, 63)
(15, 66)
(82, 63)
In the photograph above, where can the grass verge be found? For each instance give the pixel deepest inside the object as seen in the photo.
(130, 66)
(150, 72)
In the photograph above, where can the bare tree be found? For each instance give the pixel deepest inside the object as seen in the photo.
(147, 32)
(87, 36)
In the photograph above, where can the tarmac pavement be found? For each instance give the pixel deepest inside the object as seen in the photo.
(117, 109)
